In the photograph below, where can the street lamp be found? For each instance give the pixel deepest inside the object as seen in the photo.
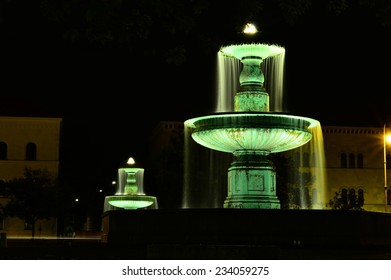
(386, 138)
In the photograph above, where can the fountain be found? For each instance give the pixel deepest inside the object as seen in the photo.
(130, 191)
(251, 132)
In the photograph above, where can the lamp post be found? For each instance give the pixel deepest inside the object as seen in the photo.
(386, 138)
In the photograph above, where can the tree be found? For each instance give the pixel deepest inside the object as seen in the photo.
(32, 197)
(347, 200)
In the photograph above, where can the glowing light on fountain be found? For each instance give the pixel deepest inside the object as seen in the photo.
(130, 190)
(250, 29)
(251, 132)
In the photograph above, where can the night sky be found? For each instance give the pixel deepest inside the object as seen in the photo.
(113, 69)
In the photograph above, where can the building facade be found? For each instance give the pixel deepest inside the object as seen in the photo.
(33, 143)
(357, 159)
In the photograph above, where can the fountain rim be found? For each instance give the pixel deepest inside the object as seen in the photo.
(191, 122)
(215, 131)
(261, 50)
(130, 201)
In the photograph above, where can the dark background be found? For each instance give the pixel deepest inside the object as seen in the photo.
(113, 69)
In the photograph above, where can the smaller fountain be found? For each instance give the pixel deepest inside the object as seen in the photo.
(130, 191)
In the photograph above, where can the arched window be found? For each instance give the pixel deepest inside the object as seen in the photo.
(352, 196)
(344, 161)
(352, 161)
(360, 161)
(31, 151)
(3, 150)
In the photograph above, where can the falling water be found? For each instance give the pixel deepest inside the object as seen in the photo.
(273, 69)
(310, 158)
(205, 178)
(228, 71)
(318, 169)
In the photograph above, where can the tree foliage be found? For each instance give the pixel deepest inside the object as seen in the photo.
(347, 200)
(32, 197)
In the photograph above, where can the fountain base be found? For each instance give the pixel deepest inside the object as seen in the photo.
(257, 202)
(250, 234)
(252, 182)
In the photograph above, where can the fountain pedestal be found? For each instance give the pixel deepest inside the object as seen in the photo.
(251, 182)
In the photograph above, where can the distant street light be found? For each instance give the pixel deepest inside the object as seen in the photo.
(386, 139)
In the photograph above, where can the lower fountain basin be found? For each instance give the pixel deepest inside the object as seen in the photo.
(262, 131)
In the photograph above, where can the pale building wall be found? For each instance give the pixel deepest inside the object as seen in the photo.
(367, 141)
(17, 132)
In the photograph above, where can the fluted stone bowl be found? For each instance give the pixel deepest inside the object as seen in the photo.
(269, 132)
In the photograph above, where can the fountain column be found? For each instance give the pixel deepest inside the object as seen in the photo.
(251, 181)
(251, 96)
(251, 177)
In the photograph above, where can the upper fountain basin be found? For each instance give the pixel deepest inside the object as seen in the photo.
(252, 50)
(268, 132)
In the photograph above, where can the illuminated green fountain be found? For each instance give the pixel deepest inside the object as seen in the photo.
(130, 191)
(251, 132)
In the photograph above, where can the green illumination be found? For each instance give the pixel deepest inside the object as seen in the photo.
(252, 50)
(249, 101)
(251, 182)
(251, 131)
(130, 202)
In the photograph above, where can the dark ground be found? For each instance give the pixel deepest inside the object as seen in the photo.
(218, 234)
(93, 249)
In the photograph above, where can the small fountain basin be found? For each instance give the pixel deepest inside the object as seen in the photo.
(129, 202)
